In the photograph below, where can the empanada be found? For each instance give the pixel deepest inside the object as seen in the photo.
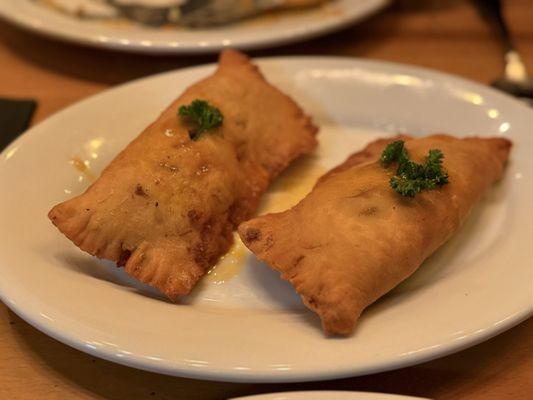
(353, 238)
(166, 206)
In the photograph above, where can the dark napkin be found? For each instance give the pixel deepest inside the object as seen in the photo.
(15, 116)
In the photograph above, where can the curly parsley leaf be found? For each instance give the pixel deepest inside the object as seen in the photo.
(202, 117)
(393, 152)
(411, 178)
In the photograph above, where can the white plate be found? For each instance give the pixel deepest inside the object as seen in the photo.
(254, 328)
(261, 32)
(330, 395)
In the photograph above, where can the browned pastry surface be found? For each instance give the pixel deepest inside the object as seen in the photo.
(353, 238)
(166, 206)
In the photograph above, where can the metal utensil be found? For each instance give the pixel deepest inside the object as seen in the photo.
(196, 13)
(515, 79)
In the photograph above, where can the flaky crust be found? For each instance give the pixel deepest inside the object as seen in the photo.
(353, 239)
(166, 206)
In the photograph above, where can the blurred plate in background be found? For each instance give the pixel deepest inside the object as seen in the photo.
(260, 32)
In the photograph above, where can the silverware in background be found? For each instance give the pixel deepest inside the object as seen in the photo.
(515, 79)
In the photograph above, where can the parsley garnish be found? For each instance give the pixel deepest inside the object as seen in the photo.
(202, 117)
(411, 178)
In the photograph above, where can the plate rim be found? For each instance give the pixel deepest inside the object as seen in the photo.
(346, 394)
(269, 375)
(165, 48)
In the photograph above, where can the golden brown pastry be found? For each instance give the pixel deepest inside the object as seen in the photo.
(166, 206)
(353, 238)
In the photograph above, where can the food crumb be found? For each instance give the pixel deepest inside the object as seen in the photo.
(252, 234)
(139, 191)
(368, 211)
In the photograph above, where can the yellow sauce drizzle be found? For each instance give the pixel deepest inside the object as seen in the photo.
(229, 265)
(83, 167)
(287, 190)
(291, 186)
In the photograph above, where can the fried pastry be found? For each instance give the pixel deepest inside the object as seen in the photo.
(166, 206)
(353, 238)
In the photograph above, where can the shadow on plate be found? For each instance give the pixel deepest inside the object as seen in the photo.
(476, 239)
(272, 287)
(109, 272)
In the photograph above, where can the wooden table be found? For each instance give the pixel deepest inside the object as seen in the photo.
(445, 35)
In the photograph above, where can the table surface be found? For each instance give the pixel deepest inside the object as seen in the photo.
(444, 35)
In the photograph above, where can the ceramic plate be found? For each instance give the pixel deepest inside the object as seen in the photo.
(243, 323)
(264, 31)
(334, 395)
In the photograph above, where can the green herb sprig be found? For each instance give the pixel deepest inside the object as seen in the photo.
(202, 117)
(411, 178)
